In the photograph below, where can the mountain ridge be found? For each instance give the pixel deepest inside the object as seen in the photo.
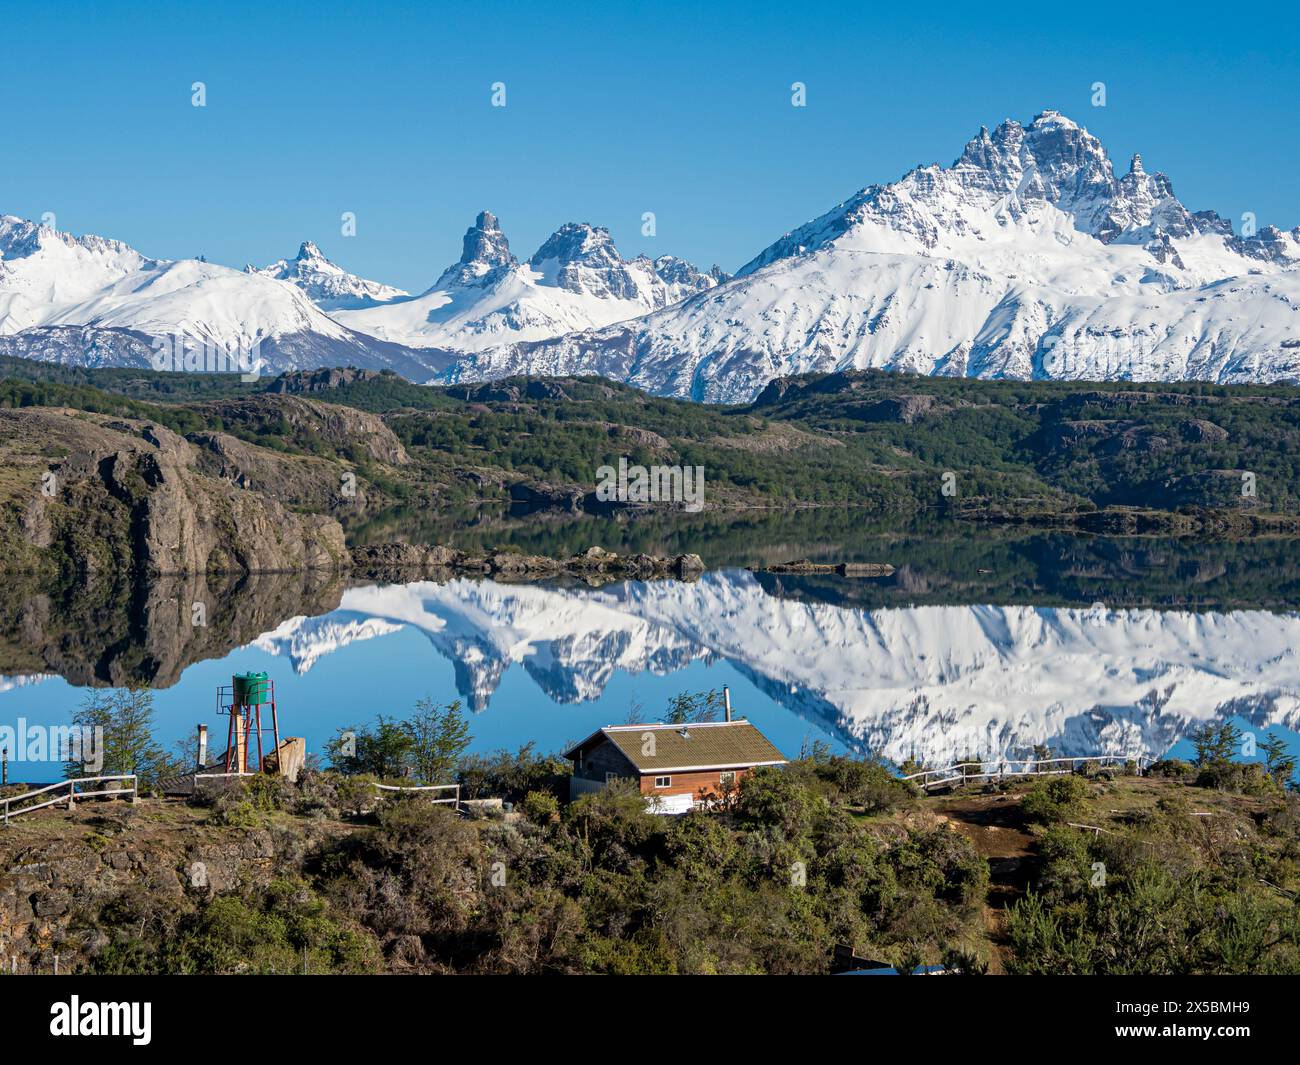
(1029, 256)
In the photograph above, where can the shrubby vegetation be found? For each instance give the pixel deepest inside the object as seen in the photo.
(1169, 889)
(1172, 895)
(1192, 869)
(802, 861)
(1030, 451)
(770, 886)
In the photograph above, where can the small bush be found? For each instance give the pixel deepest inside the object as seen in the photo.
(1170, 767)
(1056, 799)
(541, 807)
(1244, 778)
(356, 795)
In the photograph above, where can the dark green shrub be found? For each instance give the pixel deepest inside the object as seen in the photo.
(1055, 799)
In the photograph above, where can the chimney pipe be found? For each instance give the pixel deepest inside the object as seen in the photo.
(726, 701)
(203, 746)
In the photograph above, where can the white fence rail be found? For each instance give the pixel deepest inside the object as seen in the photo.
(70, 799)
(1024, 767)
(454, 800)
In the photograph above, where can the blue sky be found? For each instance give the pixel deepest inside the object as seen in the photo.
(684, 110)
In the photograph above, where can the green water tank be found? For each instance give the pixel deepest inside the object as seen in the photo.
(251, 688)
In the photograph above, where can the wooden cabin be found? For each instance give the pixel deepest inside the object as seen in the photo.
(681, 765)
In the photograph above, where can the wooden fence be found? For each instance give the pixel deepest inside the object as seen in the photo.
(73, 794)
(967, 772)
(454, 801)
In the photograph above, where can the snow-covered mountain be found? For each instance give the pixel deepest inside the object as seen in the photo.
(97, 302)
(325, 283)
(1027, 257)
(91, 301)
(937, 682)
(576, 280)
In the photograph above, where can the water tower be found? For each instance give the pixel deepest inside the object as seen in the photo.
(242, 701)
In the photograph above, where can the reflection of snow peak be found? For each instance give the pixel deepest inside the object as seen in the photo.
(305, 640)
(23, 680)
(937, 682)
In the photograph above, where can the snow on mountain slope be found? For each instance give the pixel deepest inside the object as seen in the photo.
(325, 283)
(935, 682)
(576, 280)
(97, 302)
(1027, 257)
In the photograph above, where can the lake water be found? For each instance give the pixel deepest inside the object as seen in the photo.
(983, 643)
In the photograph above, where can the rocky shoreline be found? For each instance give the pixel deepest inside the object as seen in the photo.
(843, 569)
(401, 559)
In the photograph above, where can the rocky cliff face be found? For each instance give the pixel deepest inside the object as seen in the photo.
(59, 873)
(114, 495)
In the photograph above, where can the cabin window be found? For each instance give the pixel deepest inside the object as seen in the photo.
(727, 778)
(610, 778)
(663, 782)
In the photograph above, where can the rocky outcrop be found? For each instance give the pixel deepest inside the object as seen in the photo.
(57, 874)
(104, 495)
(308, 423)
(906, 410)
(531, 496)
(485, 254)
(1200, 431)
(296, 481)
(297, 382)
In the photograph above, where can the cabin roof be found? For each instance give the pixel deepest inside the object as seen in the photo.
(679, 748)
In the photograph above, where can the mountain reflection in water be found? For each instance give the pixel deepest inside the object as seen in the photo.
(989, 655)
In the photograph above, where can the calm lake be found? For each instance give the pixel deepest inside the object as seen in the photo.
(982, 643)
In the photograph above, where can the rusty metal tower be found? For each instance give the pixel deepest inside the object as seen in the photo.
(242, 701)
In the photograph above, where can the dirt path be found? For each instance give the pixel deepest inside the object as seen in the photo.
(995, 825)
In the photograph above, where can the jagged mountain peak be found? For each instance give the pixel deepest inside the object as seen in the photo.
(576, 242)
(326, 283)
(1027, 256)
(21, 237)
(576, 280)
(582, 258)
(1003, 179)
(485, 255)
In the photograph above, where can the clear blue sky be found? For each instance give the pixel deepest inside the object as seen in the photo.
(684, 110)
